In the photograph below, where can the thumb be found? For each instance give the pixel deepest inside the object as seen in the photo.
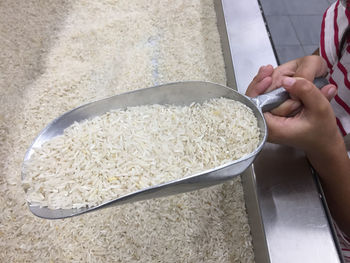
(306, 92)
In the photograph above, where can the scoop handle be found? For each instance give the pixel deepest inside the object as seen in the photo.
(273, 99)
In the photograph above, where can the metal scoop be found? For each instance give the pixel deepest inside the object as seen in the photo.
(180, 93)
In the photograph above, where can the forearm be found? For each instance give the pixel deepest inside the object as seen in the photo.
(333, 167)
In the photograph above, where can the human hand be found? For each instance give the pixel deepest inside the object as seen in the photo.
(307, 67)
(314, 128)
(264, 81)
(261, 82)
(267, 79)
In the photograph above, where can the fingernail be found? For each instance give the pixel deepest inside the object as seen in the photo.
(287, 81)
(295, 105)
(332, 92)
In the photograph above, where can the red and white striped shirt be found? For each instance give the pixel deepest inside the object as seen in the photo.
(335, 21)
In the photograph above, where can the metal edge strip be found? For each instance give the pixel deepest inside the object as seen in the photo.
(248, 177)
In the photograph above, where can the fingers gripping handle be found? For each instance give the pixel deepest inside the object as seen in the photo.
(273, 99)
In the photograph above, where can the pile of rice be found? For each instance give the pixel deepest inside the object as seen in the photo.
(57, 55)
(126, 150)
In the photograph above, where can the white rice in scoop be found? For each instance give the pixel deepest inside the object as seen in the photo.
(126, 150)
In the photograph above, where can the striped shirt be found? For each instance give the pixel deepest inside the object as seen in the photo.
(335, 21)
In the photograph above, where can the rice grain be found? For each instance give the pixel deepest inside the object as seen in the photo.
(127, 150)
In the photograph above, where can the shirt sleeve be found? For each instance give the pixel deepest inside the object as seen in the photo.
(334, 24)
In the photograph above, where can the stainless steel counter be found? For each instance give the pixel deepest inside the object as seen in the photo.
(288, 219)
